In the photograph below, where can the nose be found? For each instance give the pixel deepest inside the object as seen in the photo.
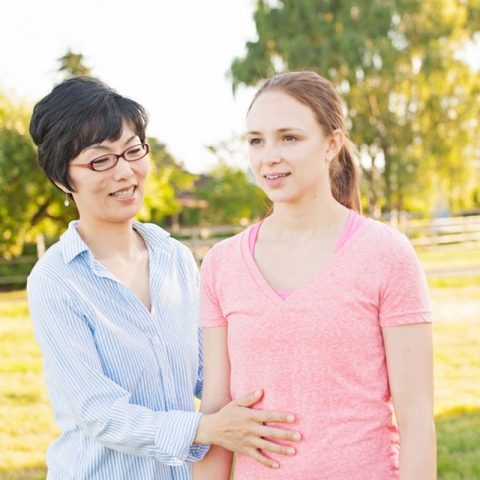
(271, 154)
(123, 169)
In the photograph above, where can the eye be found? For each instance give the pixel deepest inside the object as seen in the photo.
(254, 141)
(133, 152)
(102, 161)
(290, 138)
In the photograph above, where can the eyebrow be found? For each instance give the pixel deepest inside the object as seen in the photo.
(281, 130)
(99, 146)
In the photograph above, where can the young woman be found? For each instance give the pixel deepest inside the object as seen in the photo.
(114, 308)
(326, 309)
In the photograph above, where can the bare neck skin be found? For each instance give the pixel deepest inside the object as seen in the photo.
(305, 219)
(122, 250)
(298, 240)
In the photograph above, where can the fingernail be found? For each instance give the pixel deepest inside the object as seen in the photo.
(290, 418)
(296, 436)
(275, 465)
(258, 393)
(291, 451)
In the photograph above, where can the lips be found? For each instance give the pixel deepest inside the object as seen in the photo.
(125, 192)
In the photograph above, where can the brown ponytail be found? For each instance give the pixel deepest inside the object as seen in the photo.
(319, 94)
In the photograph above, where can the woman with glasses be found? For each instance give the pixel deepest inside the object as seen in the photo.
(114, 309)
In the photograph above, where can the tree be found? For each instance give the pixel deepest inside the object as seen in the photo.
(166, 180)
(71, 65)
(30, 204)
(413, 103)
(232, 196)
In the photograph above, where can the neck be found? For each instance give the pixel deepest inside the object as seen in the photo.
(109, 239)
(310, 218)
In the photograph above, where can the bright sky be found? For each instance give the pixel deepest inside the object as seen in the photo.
(169, 55)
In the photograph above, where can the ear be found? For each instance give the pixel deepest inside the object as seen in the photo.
(335, 144)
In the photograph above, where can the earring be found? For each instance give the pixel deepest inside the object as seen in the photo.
(66, 202)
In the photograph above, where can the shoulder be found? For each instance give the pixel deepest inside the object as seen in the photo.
(167, 247)
(51, 263)
(159, 237)
(390, 255)
(226, 250)
(382, 238)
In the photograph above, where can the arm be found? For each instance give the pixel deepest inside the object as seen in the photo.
(218, 461)
(235, 426)
(409, 356)
(102, 406)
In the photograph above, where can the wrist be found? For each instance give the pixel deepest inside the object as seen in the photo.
(204, 433)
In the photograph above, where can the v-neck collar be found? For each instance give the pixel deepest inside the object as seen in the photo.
(323, 273)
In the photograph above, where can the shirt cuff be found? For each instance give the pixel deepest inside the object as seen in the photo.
(197, 452)
(175, 436)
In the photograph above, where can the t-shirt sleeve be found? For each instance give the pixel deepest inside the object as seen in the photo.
(404, 296)
(211, 314)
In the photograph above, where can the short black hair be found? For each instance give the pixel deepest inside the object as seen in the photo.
(80, 112)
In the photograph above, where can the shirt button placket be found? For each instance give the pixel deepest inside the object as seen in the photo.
(165, 373)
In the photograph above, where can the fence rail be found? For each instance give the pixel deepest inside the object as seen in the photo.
(452, 233)
(446, 233)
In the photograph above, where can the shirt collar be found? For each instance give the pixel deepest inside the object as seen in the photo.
(73, 245)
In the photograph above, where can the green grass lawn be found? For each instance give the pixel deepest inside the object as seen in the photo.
(26, 420)
(438, 259)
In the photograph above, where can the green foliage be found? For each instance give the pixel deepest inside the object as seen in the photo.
(413, 104)
(166, 180)
(71, 65)
(232, 196)
(30, 205)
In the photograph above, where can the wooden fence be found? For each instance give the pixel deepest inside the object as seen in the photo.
(452, 233)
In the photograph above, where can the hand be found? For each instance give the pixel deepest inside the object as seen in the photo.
(240, 429)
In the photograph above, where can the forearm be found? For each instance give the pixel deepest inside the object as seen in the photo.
(216, 464)
(418, 454)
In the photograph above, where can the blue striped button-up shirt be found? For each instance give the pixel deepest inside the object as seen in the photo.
(121, 379)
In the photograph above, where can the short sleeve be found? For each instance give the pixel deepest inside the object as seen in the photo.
(210, 312)
(404, 297)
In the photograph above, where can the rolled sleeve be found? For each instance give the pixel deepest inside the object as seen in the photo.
(175, 438)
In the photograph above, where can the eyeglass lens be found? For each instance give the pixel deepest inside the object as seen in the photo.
(132, 154)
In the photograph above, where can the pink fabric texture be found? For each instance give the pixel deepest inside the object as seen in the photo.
(319, 354)
(354, 222)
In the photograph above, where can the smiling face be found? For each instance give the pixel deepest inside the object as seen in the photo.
(289, 152)
(111, 196)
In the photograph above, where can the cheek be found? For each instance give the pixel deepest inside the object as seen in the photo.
(143, 168)
(254, 159)
(89, 185)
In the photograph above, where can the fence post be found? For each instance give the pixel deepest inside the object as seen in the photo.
(40, 240)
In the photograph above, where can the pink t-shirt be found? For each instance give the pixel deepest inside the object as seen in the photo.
(319, 354)
(354, 222)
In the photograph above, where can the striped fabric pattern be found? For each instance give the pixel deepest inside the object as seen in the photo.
(121, 379)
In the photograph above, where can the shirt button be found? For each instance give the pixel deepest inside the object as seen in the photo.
(156, 340)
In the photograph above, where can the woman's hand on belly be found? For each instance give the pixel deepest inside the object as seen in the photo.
(240, 429)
